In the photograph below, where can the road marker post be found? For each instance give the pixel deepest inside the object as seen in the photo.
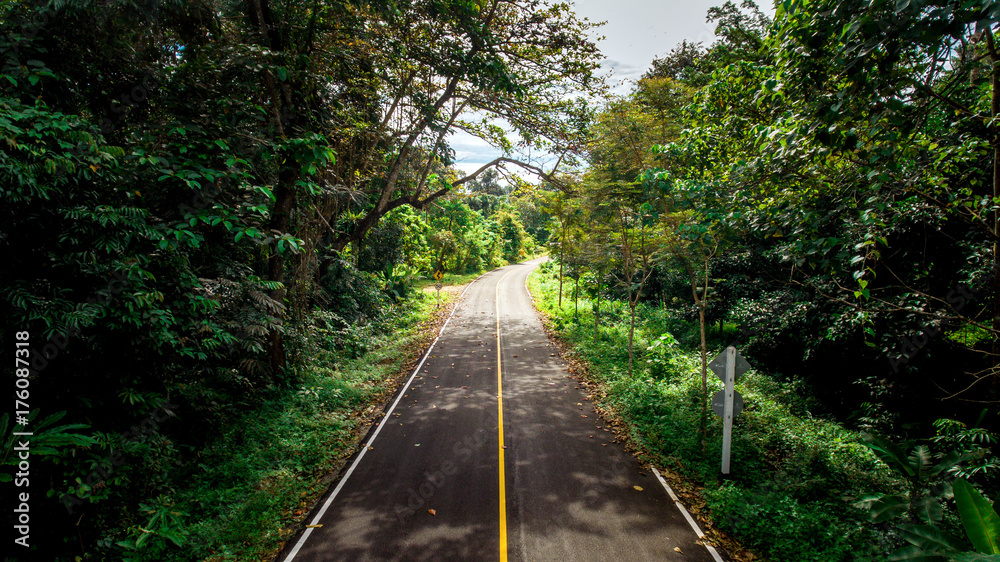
(728, 403)
(727, 419)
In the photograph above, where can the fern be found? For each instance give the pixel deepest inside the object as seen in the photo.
(47, 440)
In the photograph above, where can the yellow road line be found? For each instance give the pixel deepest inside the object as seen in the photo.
(503, 478)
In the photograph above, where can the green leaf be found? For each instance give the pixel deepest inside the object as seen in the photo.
(931, 539)
(981, 522)
(920, 459)
(947, 462)
(976, 557)
(266, 191)
(889, 453)
(929, 509)
(888, 507)
(915, 554)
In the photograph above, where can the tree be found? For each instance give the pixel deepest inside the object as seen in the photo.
(904, 94)
(638, 249)
(183, 183)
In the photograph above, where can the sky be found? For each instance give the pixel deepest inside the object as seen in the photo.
(636, 32)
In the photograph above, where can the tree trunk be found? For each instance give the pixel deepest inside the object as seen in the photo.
(704, 358)
(562, 259)
(260, 15)
(994, 111)
(700, 302)
(576, 298)
(560, 276)
(631, 333)
(597, 313)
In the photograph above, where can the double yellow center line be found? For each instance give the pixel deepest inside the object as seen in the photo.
(503, 479)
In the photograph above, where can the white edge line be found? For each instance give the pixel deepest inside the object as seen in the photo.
(670, 492)
(690, 520)
(364, 446)
(530, 296)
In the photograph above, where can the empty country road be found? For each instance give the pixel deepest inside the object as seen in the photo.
(492, 452)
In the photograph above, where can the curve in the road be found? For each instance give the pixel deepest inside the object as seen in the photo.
(490, 451)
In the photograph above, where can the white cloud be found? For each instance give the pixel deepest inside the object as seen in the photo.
(637, 31)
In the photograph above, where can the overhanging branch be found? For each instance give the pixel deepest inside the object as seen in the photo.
(547, 176)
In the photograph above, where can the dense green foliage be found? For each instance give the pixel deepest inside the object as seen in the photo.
(211, 211)
(795, 470)
(826, 182)
(198, 198)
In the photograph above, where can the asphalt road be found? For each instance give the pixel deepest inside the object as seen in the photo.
(428, 484)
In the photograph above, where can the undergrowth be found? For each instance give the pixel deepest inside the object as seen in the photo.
(795, 474)
(244, 494)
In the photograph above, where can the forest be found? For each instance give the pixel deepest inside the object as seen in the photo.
(220, 222)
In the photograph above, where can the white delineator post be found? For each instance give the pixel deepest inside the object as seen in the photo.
(727, 418)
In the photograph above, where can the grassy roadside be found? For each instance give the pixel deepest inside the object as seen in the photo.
(255, 483)
(795, 475)
(448, 280)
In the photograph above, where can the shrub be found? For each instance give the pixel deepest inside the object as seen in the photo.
(795, 475)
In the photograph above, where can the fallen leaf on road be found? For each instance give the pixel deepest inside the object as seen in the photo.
(432, 512)
(678, 549)
(637, 488)
(313, 526)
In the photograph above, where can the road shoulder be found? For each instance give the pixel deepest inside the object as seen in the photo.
(687, 492)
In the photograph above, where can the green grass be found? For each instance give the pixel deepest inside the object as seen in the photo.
(446, 279)
(250, 489)
(794, 476)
